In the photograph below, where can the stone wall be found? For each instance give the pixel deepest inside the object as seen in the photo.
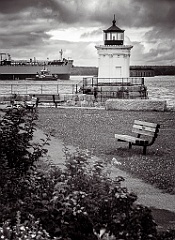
(80, 100)
(135, 104)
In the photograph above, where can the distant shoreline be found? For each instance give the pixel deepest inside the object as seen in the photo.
(93, 71)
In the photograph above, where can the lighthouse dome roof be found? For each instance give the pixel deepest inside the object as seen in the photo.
(113, 28)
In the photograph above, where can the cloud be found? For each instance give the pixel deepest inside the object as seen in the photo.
(94, 33)
(129, 13)
(149, 25)
(156, 13)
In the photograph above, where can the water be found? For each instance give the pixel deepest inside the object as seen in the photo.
(159, 87)
(162, 88)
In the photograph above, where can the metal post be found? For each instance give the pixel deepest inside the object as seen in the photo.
(83, 86)
(57, 88)
(101, 95)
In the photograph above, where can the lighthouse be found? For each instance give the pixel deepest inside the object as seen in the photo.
(113, 56)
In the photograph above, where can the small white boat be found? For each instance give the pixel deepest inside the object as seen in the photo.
(45, 74)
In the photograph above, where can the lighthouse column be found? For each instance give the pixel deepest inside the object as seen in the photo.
(114, 56)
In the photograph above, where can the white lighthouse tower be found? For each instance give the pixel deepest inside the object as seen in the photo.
(114, 56)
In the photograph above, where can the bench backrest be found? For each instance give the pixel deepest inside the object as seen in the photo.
(45, 96)
(145, 128)
(57, 97)
(48, 97)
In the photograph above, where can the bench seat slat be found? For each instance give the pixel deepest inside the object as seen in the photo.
(127, 138)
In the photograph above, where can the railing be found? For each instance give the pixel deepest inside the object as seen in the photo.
(94, 81)
(122, 88)
(104, 95)
(34, 88)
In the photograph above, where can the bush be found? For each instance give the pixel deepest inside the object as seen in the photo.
(17, 159)
(30, 229)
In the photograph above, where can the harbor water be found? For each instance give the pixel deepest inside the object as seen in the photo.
(162, 88)
(159, 87)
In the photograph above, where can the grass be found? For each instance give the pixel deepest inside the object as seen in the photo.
(95, 129)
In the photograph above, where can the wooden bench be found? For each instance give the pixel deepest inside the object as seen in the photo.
(146, 134)
(49, 98)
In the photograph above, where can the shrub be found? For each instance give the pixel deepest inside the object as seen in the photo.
(17, 159)
(30, 229)
(86, 192)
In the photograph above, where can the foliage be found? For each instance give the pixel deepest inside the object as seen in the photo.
(17, 159)
(30, 229)
(167, 235)
(89, 192)
(16, 132)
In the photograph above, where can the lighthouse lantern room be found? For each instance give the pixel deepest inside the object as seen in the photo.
(113, 56)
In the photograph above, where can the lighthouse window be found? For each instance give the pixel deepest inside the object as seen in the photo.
(105, 36)
(114, 36)
(120, 36)
(108, 36)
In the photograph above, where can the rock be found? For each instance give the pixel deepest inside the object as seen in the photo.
(135, 104)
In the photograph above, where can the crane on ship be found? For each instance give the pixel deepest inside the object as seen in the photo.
(61, 54)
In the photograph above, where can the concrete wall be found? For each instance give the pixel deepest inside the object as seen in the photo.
(135, 104)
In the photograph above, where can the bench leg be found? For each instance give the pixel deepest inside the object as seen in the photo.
(130, 145)
(144, 150)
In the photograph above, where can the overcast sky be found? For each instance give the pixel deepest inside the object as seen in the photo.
(40, 28)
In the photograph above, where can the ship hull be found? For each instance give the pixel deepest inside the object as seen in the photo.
(10, 72)
(32, 77)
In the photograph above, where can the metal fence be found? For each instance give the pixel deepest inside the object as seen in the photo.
(34, 88)
(94, 81)
(106, 88)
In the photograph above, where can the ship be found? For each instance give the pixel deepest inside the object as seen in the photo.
(28, 69)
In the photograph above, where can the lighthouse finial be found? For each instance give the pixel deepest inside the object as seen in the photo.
(114, 21)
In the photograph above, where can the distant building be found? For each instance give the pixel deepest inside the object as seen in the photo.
(141, 71)
(114, 56)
